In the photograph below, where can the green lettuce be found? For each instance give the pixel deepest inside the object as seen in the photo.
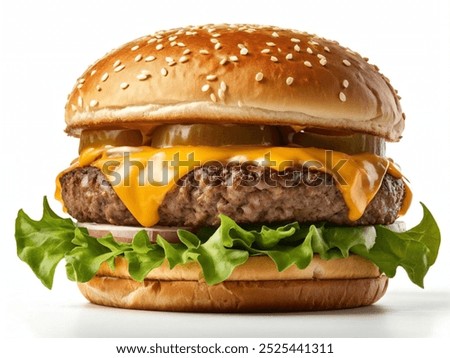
(43, 244)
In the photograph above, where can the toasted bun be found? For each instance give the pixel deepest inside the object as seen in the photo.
(256, 286)
(235, 74)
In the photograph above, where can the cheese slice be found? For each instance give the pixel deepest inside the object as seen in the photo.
(142, 176)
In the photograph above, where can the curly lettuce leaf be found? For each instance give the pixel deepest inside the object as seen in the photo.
(84, 260)
(415, 250)
(143, 256)
(43, 244)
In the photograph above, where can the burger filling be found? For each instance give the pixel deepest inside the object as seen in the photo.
(238, 191)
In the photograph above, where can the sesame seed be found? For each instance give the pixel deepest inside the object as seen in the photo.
(326, 48)
(297, 48)
(213, 97)
(183, 59)
(218, 46)
(119, 68)
(273, 59)
(138, 58)
(342, 96)
(93, 103)
(323, 61)
(271, 44)
(158, 36)
(74, 108)
(134, 48)
(266, 50)
(159, 47)
(205, 88)
(211, 77)
(80, 101)
(275, 34)
(289, 81)
(142, 76)
(98, 88)
(124, 85)
(216, 35)
(186, 52)
(93, 72)
(241, 45)
(319, 55)
(173, 38)
(164, 72)
(289, 56)
(295, 40)
(244, 51)
(81, 80)
(234, 58)
(150, 58)
(223, 86)
(307, 64)
(346, 62)
(173, 44)
(152, 40)
(309, 50)
(223, 61)
(345, 83)
(181, 44)
(221, 93)
(214, 40)
(169, 59)
(204, 52)
(79, 86)
(259, 76)
(104, 77)
(117, 63)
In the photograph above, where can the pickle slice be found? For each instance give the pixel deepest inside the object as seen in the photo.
(214, 135)
(171, 135)
(346, 142)
(113, 137)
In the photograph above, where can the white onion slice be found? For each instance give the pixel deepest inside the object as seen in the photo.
(127, 233)
(169, 233)
(398, 226)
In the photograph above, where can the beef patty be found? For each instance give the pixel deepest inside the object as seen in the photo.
(253, 194)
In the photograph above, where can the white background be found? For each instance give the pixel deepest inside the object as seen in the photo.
(46, 45)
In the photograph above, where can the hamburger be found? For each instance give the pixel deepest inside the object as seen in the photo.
(231, 168)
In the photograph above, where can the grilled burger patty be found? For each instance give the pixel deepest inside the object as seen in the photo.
(248, 195)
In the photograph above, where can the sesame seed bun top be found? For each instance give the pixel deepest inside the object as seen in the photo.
(235, 74)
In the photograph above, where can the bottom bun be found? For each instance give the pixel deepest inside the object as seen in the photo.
(240, 294)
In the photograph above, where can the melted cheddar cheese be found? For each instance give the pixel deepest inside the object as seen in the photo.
(142, 176)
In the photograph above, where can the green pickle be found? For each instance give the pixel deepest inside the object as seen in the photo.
(215, 135)
(346, 142)
(170, 135)
(113, 137)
